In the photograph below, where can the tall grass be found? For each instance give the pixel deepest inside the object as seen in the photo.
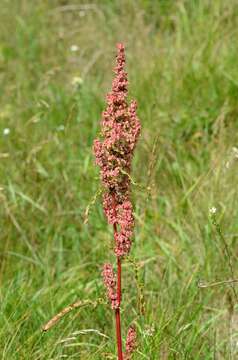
(182, 61)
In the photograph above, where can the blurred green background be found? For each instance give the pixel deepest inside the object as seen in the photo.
(56, 60)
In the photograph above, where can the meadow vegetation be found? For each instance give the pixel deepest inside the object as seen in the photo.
(55, 69)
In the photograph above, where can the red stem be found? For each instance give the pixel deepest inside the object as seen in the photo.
(118, 332)
(118, 317)
(119, 280)
(117, 311)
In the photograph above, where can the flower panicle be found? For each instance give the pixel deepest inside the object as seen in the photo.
(120, 129)
(110, 284)
(130, 343)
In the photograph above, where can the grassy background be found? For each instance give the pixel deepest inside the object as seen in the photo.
(182, 65)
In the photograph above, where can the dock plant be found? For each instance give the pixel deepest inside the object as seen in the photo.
(120, 129)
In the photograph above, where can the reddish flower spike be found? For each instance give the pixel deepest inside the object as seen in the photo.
(120, 129)
(130, 343)
(110, 284)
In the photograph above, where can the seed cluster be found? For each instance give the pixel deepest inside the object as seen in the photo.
(120, 129)
(130, 343)
(110, 284)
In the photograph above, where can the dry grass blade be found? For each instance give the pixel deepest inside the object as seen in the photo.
(217, 283)
(67, 309)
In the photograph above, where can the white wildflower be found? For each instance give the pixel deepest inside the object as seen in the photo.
(235, 152)
(212, 210)
(6, 131)
(77, 81)
(149, 330)
(74, 48)
(61, 127)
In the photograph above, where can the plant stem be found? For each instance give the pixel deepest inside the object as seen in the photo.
(118, 332)
(118, 317)
(117, 311)
(227, 253)
(119, 280)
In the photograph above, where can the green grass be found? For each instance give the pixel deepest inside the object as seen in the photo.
(182, 65)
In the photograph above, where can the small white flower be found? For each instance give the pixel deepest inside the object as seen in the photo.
(212, 210)
(82, 13)
(6, 131)
(77, 81)
(60, 127)
(235, 152)
(149, 330)
(74, 48)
